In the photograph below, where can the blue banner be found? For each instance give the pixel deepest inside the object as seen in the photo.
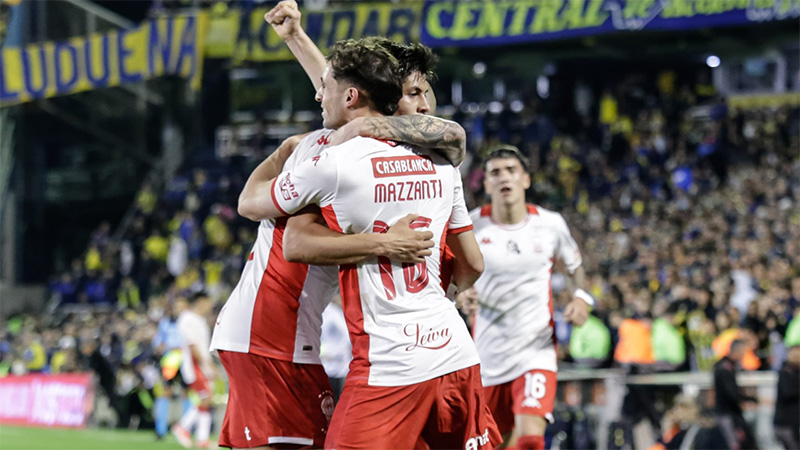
(499, 22)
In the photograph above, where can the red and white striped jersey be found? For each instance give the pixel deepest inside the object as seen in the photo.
(402, 327)
(514, 329)
(276, 308)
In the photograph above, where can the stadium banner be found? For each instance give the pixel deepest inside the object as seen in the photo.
(245, 36)
(161, 46)
(46, 400)
(498, 22)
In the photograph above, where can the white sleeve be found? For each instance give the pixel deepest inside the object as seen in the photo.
(568, 250)
(306, 149)
(459, 218)
(313, 181)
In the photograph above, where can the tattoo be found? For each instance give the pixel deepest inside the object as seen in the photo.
(445, 137)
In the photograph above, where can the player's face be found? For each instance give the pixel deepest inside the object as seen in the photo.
(331, 96)
(506, 180)
(417, 96)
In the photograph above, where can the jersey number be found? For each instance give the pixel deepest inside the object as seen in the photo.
(415, 275)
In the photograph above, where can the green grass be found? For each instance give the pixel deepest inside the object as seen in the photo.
(24, 438)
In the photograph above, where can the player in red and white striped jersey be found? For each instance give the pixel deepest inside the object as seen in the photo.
(415, 371)
(513, 328)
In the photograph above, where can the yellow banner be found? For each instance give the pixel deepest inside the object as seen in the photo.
(245, 36)
(163, 46)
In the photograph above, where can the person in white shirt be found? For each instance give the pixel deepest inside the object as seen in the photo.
(414, 375)
(197, 368)
(271, 323)
(512, 302)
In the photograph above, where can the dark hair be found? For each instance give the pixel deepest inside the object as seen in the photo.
(371, 69)
(506, 151)
(410, 57)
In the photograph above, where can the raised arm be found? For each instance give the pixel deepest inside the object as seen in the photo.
(285, 20)
(258, 188)
(307, 240)
(445, 137)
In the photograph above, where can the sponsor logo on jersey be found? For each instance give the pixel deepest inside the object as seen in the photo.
(247, 434)
(287, 188)
(323, 140)
(427, 338)
(477, 441)
(400, 166)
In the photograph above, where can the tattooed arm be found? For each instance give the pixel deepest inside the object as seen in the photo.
(443, 136)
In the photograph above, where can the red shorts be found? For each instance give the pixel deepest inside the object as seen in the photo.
(533, 393)
(274, 402)
(445, 412)
(201, 384)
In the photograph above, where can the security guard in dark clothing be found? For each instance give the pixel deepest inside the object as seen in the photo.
(729, 398)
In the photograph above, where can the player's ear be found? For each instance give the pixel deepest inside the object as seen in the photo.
(526, 180)
(351, 97)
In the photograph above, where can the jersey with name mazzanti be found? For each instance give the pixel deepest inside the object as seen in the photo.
(402, 327)
(276, 308)
(514, 328)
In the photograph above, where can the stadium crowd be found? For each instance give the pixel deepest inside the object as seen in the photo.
(686, 215)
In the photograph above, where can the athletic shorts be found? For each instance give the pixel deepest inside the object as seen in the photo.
(533, 393)
(447, 412)
(273, 402)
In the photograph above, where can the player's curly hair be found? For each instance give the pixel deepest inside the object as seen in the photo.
(411, 57)
(371, 68)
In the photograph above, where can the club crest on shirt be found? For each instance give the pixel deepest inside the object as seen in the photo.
(513, 247)
(326, 403)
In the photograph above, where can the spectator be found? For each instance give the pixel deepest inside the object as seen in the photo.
(787, 403)
(728, 399)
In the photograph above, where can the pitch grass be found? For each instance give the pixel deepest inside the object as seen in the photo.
(25, 438)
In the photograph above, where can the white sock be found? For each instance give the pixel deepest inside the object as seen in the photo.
(188, 419)
(203, 426)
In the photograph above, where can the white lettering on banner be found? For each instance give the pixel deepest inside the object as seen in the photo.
(44, 401)
(430, 339)
(14, 400)
(58, 403)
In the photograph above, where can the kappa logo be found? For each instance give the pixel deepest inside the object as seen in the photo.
(531, 402)
(323, 140)
(247, 434)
